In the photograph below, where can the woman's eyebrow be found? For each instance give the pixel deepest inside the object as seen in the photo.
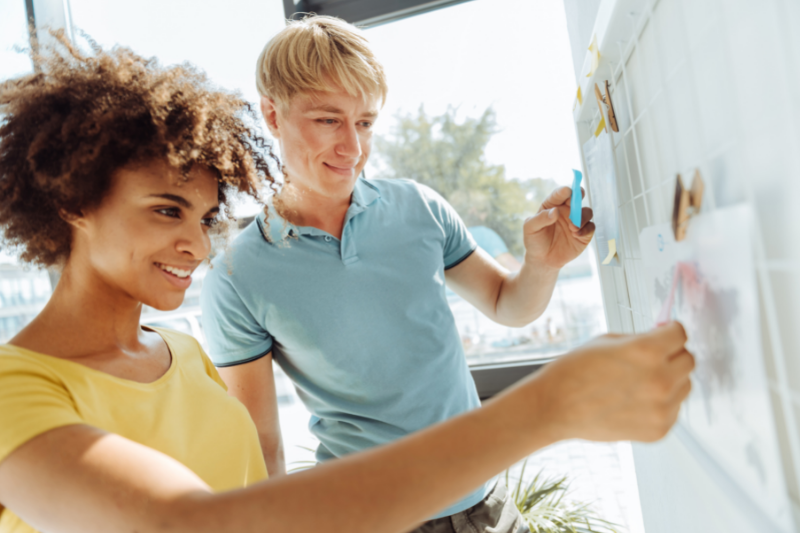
(180, 200)
(213, 211)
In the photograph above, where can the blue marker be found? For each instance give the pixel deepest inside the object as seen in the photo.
(575, 205)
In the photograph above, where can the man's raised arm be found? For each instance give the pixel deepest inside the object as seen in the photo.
(518, 298)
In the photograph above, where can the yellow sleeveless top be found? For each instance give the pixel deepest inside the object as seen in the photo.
(186, 413)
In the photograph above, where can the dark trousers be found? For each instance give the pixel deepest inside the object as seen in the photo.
(494, 514)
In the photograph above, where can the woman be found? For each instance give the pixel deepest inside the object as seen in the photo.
(116, 169)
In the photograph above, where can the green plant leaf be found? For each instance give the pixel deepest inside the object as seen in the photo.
(545, 508)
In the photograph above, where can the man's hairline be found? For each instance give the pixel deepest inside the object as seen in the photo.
(283, 105)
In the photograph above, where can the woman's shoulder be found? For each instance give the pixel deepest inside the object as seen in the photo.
(14, 359)
(177, 340)
(187, 350)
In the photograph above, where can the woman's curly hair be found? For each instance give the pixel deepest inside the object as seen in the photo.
(66, 128)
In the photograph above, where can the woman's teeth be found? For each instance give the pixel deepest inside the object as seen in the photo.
(176, 271)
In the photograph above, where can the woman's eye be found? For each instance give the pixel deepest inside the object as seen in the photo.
(210, 221)
(173, 212)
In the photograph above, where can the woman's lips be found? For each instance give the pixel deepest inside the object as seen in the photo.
(181, 283)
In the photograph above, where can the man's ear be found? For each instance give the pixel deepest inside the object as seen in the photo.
(269, 109)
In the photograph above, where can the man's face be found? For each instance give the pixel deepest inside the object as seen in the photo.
(325, 139)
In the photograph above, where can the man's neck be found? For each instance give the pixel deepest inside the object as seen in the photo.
(304, 207)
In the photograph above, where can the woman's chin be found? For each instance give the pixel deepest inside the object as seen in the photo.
(165, 302)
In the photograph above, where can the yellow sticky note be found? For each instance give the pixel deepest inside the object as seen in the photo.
(612, 251)
(594, 52)
(600, 127)
(580, 96)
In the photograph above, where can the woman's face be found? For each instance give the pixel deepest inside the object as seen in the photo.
(149, 233)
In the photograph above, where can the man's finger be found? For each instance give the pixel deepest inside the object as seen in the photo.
(540, 220)
(558, 197)
(668, 340)
(586, 215)
(586, 231)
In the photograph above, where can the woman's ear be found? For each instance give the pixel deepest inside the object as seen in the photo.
(270, 111)
(76, 220)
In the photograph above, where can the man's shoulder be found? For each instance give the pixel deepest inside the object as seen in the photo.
(241, 252)
(404, 189)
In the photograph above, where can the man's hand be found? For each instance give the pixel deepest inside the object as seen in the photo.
(551, 239)
(617, 387)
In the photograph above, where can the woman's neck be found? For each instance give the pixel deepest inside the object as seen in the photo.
(84, 316)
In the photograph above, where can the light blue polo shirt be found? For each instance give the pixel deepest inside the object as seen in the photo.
(362, 325)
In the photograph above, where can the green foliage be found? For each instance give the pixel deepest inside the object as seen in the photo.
(543, 505)
(448, 156)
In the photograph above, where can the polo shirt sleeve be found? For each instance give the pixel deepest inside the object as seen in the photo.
(233, 334)
(459, 243)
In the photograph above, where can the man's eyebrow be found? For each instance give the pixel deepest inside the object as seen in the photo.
(180, 200)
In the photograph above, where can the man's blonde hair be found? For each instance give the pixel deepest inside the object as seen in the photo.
(319, 53)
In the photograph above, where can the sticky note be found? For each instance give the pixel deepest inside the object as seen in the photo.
(600, 127)
(594, 52)
(612, 251)
(575, 204)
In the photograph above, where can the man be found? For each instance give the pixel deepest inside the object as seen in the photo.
(342, 280)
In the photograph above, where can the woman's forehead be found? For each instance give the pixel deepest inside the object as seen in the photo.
(158, 175)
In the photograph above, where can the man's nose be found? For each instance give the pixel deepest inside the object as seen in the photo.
(349, 144)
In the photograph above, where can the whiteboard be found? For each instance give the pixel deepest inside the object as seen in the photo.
(707, 86)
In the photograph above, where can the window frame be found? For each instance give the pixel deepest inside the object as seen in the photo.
(365, 13)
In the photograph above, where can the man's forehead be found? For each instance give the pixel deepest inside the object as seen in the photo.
(338, 102)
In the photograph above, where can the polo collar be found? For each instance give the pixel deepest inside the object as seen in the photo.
(364, 195)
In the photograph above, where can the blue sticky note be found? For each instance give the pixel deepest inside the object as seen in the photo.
(575, 205)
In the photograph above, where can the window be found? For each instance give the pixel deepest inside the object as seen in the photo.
(13, 39)
(499, 70)
(484, 91)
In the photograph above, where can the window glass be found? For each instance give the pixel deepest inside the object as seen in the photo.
(23, 292)
(13, 40)
(493, 75)
(482, 97)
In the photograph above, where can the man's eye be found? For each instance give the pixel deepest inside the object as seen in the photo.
(327, 120)
(173, 212)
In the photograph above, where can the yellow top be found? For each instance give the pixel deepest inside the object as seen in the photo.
(186, 413)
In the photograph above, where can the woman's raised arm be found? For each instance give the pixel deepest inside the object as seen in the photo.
(80, 479)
